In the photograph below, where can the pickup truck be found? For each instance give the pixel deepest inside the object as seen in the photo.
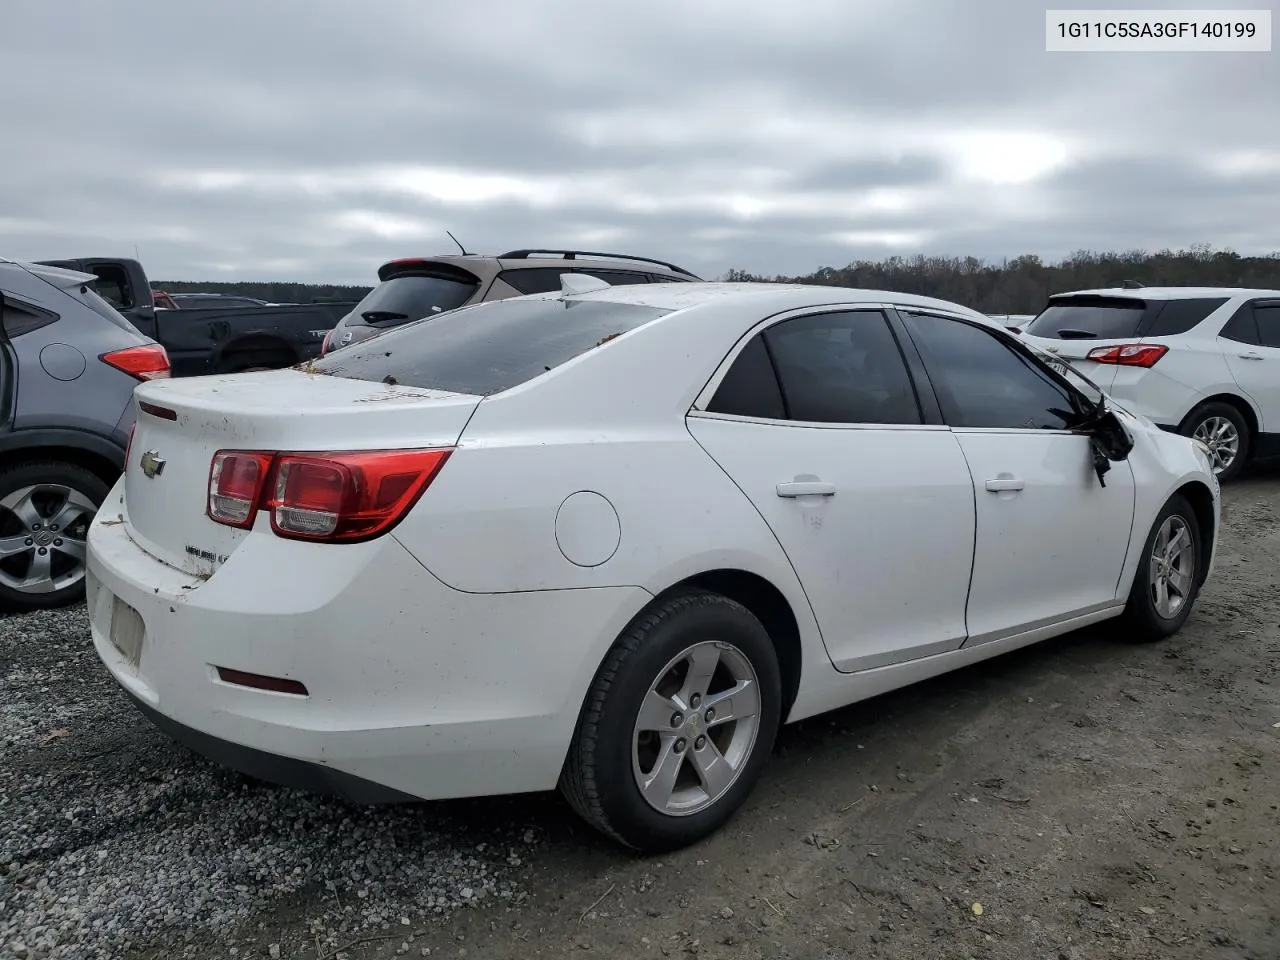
(212, 339)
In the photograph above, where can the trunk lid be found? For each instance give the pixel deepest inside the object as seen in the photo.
(289, 410)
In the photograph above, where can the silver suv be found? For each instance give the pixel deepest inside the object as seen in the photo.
(68, 365)
(419, 287)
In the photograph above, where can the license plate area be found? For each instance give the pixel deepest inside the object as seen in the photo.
(127, 631)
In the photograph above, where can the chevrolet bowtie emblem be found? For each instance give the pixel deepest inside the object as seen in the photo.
(152, 464)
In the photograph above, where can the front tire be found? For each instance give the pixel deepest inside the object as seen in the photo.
(678, 725)
(1223, 429)
(1167, 581)
(45, 512)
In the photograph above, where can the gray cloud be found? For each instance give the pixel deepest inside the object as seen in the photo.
(297, 140)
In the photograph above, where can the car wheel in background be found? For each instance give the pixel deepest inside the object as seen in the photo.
(1223, 429)
(1168, 577)
(678, 724)
(45, 511)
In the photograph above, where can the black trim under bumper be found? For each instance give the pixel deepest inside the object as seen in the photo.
(284, 771)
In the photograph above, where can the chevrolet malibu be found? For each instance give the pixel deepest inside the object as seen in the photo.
(610, 539)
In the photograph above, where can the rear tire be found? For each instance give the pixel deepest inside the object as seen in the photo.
(45, 511)
(651, 717)
(1165, 574)
(1226, 432)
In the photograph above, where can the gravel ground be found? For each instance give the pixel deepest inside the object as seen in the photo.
(1079, 800)
(115, 838)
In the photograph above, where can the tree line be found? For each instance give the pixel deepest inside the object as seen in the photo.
(1019, 285)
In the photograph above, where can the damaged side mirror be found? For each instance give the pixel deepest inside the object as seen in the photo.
(1108, 441)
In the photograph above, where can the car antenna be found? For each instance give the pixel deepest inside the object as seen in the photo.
(460, 246)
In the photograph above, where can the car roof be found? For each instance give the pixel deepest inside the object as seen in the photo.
(765, 298)
(542, 259)
(1169, 293)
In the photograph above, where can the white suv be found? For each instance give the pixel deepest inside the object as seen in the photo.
(1200, 361)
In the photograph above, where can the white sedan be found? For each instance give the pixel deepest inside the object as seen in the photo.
(611, 539)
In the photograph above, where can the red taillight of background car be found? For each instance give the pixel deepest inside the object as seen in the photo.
(1129, 354)
(147, 362)
(324, 497)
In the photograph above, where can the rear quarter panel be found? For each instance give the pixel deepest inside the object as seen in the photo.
(50, 391)
(611, 422)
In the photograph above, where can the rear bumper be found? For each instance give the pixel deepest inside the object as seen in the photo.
(271, 767)
(419, 690)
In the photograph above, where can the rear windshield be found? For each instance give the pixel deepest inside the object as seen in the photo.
(1089, 318)
(489, 347)
(411, 297)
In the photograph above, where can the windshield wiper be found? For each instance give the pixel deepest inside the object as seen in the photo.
(1072, 334)
(380, 316)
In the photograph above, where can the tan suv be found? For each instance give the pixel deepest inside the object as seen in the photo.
(418, 287)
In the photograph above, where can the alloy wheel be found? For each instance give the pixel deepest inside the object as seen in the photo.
(1172, 567)
(696, 728)
(43, 537)
(1223, 440)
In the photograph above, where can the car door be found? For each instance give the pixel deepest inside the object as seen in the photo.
(1051, 537)
(818, 421)
(1250, 342)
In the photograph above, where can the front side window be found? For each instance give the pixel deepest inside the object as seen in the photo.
(983, 382)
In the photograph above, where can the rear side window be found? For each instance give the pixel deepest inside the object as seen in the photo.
(750, 388)
(617, 278)
(489, 347)
(539, 280)
(20, 318)
(1179, 316)
(1089, 318)
(1268, 321)
(842, 368)
(547, 279)
(412, 297)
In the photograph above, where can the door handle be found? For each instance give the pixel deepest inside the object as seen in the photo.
(1251, 356)
(1005, 483)
(806, 488)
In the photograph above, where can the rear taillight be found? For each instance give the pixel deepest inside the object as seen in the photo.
(328, 339)
(1129, 354)
(237, 479)
(325, 497)
(148, 362)
(128, 447)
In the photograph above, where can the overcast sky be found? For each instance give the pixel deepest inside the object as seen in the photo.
(281, 139)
